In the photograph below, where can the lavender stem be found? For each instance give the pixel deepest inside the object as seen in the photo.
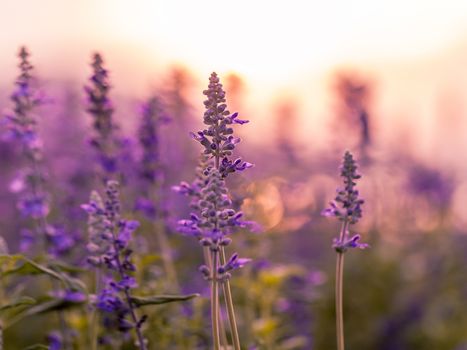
(215, 301)
(230, 306)
(339, 305)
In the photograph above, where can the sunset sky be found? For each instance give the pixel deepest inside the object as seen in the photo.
(415, 50)
(264, 39)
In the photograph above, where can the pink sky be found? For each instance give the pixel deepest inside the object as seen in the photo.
(413, 50)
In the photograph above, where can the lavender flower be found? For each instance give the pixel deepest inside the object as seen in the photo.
(214, 217)
(100, 108)
(149, 166)
(29, 184)
(152, 119)
(218, 140)
(347, 205)
(55, 341)
(109, 249)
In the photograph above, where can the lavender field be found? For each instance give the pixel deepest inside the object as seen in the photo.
(217, 202)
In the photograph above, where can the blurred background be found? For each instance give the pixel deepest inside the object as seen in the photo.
(386, 80)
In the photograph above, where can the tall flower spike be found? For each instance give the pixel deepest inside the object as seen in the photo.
(213, 217)
(347, 208)
(347, 205)
(150, 201)
(109, 249)
(22, 128)
(100, 108)
(218, 140)
(150, 165)
(152, 118)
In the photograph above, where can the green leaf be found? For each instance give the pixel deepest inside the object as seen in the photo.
(21, 301)
(20, 265)
(53, 305)
(9, 261)
(64, 267)
(37, 347)
(161, 299)
(47, 305)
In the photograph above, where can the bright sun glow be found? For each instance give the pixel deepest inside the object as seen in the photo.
(278, 39)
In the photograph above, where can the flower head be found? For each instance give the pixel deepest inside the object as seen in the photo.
(347, 203)
(152, 118)
(150, 170)
(101, 109)
(109, 249)
(347, 206)
(218, 140)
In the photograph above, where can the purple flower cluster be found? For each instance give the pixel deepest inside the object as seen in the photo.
(347, 205)
(100, 107)
(218, 140)
(22, 128)
(213, 216)
(150, 167)
(152, 119)
(109, 249)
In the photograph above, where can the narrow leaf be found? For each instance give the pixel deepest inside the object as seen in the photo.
(21, 301)
(161, 299)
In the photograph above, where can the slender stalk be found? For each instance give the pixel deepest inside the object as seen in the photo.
(215, 301)
(339, 290)
(230, 306)
(226, 284)
(223, 334)
(93, 324)
(339, 305)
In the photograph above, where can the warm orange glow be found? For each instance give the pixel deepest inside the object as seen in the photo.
(276, 39)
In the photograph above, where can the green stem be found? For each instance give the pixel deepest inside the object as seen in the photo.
(93, 323)
(339, 290)
(215, 301)
(230, 306)
(339, 304)
(223, 334)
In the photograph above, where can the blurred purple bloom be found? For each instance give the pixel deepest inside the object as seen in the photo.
(352, 242)
(145, 206)
(234, 263)
(29, 184)
(27, 240)
(34, 206)
(432, 184)
(148, 135)
(101, 110)
(61, 241)
(55, 341)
